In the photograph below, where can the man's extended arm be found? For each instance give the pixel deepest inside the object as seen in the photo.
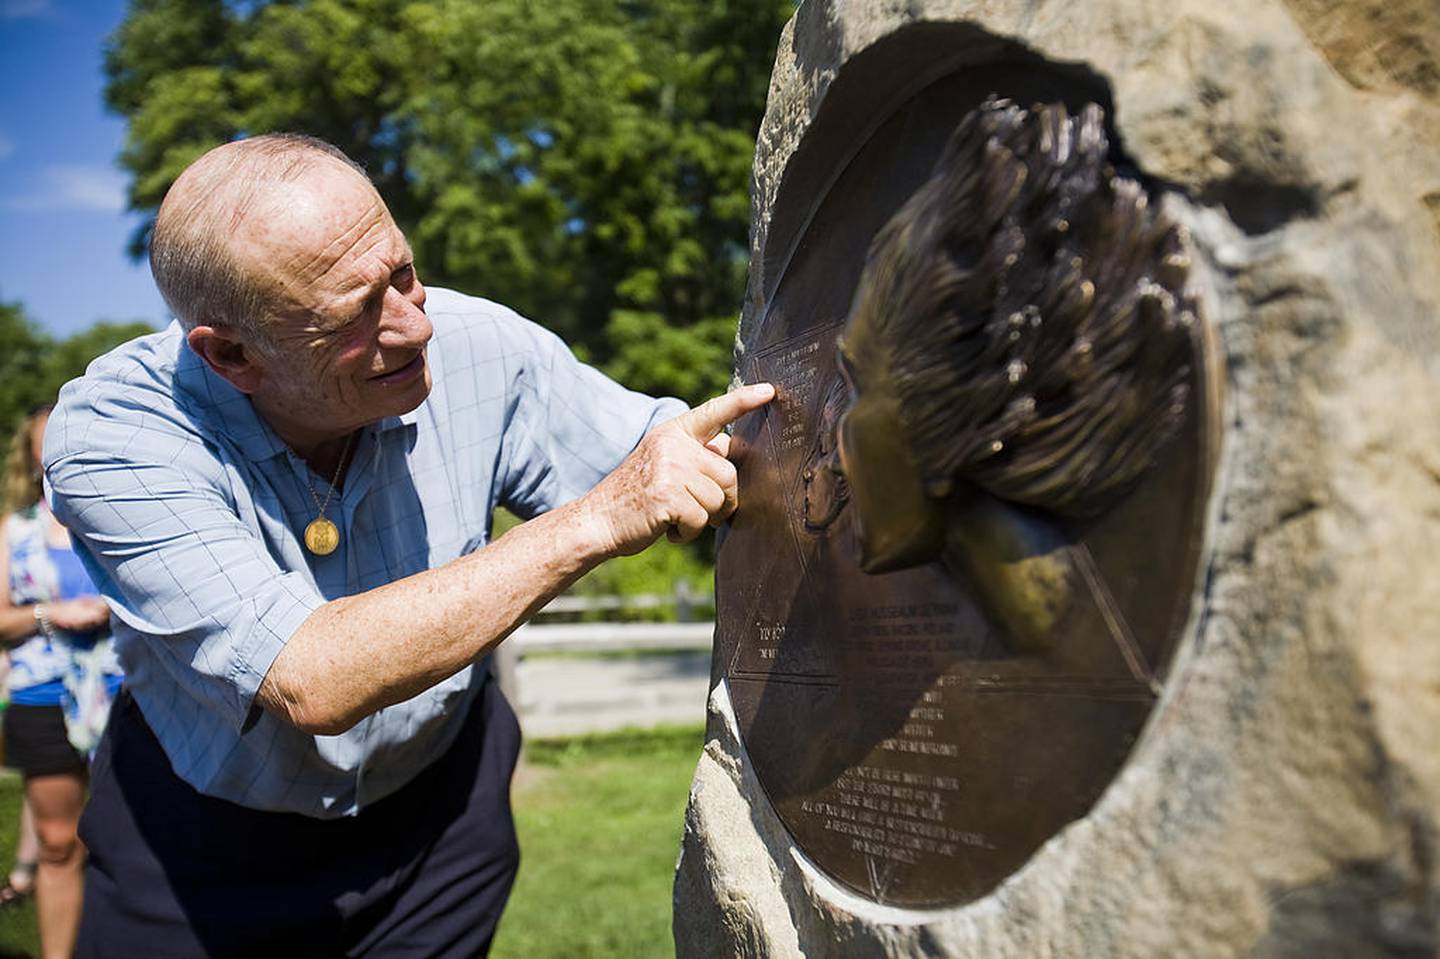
(357, 654)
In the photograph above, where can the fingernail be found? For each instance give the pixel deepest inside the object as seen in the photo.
(761, 389)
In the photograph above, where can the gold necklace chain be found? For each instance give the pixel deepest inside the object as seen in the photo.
(321, 535)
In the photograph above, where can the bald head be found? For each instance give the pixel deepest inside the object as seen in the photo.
(192, 254)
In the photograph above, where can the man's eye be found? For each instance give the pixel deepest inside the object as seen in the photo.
(403, 277)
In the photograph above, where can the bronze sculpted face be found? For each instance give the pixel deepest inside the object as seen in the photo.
(1018, 351)
(826, 492)
(974, 514)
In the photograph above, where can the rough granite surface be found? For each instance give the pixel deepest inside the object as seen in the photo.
(1285, 798)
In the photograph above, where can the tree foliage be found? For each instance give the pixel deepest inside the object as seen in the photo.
(34, 365)
(584, 161)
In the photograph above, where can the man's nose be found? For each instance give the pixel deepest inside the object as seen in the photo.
(403, 323)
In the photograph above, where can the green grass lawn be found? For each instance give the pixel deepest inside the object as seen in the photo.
(17, 922)
(599, 819)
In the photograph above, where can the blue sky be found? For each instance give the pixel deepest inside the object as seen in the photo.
(63, 225)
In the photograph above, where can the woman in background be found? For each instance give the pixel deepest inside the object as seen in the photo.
(63, 672)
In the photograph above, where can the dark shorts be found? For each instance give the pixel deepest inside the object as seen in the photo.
(423, 872)
(36, 742)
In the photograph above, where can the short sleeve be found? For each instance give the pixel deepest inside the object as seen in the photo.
(571, 427)
(166, 547)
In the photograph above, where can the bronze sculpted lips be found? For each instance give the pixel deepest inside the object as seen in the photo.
(404, 374)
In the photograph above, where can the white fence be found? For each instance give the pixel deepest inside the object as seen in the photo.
(542, 636)
(684, 600)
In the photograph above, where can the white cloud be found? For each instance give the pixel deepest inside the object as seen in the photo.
(72, 186)
(21, 9)
(88, 187)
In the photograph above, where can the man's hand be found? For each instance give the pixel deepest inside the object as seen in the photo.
(677, 481)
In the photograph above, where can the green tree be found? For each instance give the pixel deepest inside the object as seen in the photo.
(23, 348)
(66, 359)
(34, 365)
(584, 161)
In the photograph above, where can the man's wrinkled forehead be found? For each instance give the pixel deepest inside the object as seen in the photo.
(296, 231)
(308, 208)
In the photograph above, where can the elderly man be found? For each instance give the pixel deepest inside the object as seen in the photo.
(283, 498)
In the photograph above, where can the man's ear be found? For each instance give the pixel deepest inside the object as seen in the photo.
(228, 355)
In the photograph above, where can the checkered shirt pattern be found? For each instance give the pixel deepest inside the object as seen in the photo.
(189, 513)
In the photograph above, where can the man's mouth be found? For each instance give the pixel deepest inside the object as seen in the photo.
(402, 374)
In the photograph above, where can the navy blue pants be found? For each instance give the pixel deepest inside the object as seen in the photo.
(423, 872)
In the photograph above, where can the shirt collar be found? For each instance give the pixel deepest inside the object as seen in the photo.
(404, 419)
(227, 410)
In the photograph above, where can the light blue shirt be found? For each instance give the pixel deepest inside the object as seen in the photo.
(189, 513)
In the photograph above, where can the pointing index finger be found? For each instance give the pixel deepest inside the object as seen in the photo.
(705, 421)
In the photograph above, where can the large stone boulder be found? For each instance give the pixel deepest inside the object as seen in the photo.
(1285, 797)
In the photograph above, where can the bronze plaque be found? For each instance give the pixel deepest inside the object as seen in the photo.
(944, 617)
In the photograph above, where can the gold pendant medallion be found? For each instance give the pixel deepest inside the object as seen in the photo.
(321, 537)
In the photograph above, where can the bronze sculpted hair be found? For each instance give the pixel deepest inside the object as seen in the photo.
(1032, 309)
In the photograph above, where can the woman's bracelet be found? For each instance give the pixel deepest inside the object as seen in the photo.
(42, 619)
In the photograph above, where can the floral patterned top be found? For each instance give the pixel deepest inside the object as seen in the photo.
(40, 573)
